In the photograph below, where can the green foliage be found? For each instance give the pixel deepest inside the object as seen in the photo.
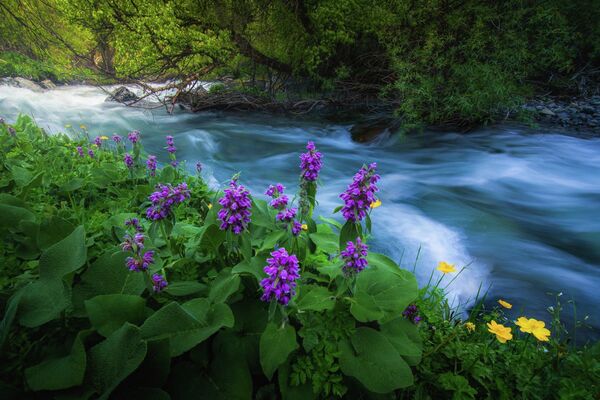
(18, 65)
(78, 323)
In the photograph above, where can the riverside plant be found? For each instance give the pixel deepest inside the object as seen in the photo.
(118, 284)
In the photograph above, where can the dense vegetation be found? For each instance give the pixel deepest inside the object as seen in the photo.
(121, 278)
(435, 61)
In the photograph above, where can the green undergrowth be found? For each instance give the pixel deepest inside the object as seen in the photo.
(14, 64)
(77, 324)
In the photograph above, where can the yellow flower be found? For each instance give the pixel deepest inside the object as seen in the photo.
(535, 327)
(82, 126)
(304, 227)
(470, 326)
(375, 204)
(505, 304)
(444, 267)
(103, 137)
(502, 332)
(209, 206)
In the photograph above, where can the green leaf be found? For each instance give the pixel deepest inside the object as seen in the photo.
(382, 292)
(350, 231)
(224, 285)
(60, 373)
(64, 257)
(276, 344)
(404, 336)
(229, 365)
(253, 267)
(331, 221)
(109, 312)
(12, 216)
(43, 301)
(325, 239)
(261, 214)
(315, 298)
(374, 361)
(9, 315)
(212, 237)
(188, 325)
(458, 384)
(271, 240)
(107, 275)
(53, 230)
(116, 358)
(185, 288)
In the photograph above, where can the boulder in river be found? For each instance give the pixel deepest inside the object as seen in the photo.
(47, 84)
(370, 130)
(22, 83)
(122, 95)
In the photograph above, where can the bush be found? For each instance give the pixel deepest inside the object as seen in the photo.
(235, 298)
(17, 65)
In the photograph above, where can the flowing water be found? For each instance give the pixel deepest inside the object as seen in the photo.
(519, 206)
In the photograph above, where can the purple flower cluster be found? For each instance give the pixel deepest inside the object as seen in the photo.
(236, 203)
(11, 131)
(135, 223)
(280, 200)
(310, 163)
(412, 314)
(117, 139)
(159, 283)
(360, 193)
(355, 257)
(198, 167)
(164, 198)
(135, 244)
(128, 160)
(287, 215)
(134, 136)
(98, 141)
(80, 151)
(91, 153)
(170, 145)
(296, 228)
(283, 271)
(151, 164)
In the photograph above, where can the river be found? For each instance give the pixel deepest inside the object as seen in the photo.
(519, 206)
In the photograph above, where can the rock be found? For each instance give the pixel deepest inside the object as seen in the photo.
(122, 95)
(368, 131)
(47, 84)
(547, 111)
(22, 83)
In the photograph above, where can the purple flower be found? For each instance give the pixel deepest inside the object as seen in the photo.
(134, 136)
(198, 167)
(135, 223)
(128, 160)
(170, 145)
(80, 151)
(159, 283)
(151, 164)
(174, 163)
(164, 198)
(91, 153)
(354, 257)
(139, 261)
(98, 141)
(412, 314)
(282, 273)
(311, 163)
(12, 131)
(360, 193)
(296, 228)
(280, 200)
(117, 139)
(1, 121)
(287, 215)
(236, 203)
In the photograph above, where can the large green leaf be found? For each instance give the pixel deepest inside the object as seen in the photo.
(382, 292)
(253, 267)
(108, 312)
(64, 257)
(405, 337)
(374, 361)
(60, 373)
(276, 344)
(9, 315)
(224, 285)
(12, 215)
(116, 358)
(107, 275)
(272, 239)
(229, 365)
(185, 288)
(188, 325)
(315, 298)
(350, 231)
(325, 239)
(53, 230)
(43, 301)
(212, 237)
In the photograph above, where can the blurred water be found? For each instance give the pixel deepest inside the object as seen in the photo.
(519, 206)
